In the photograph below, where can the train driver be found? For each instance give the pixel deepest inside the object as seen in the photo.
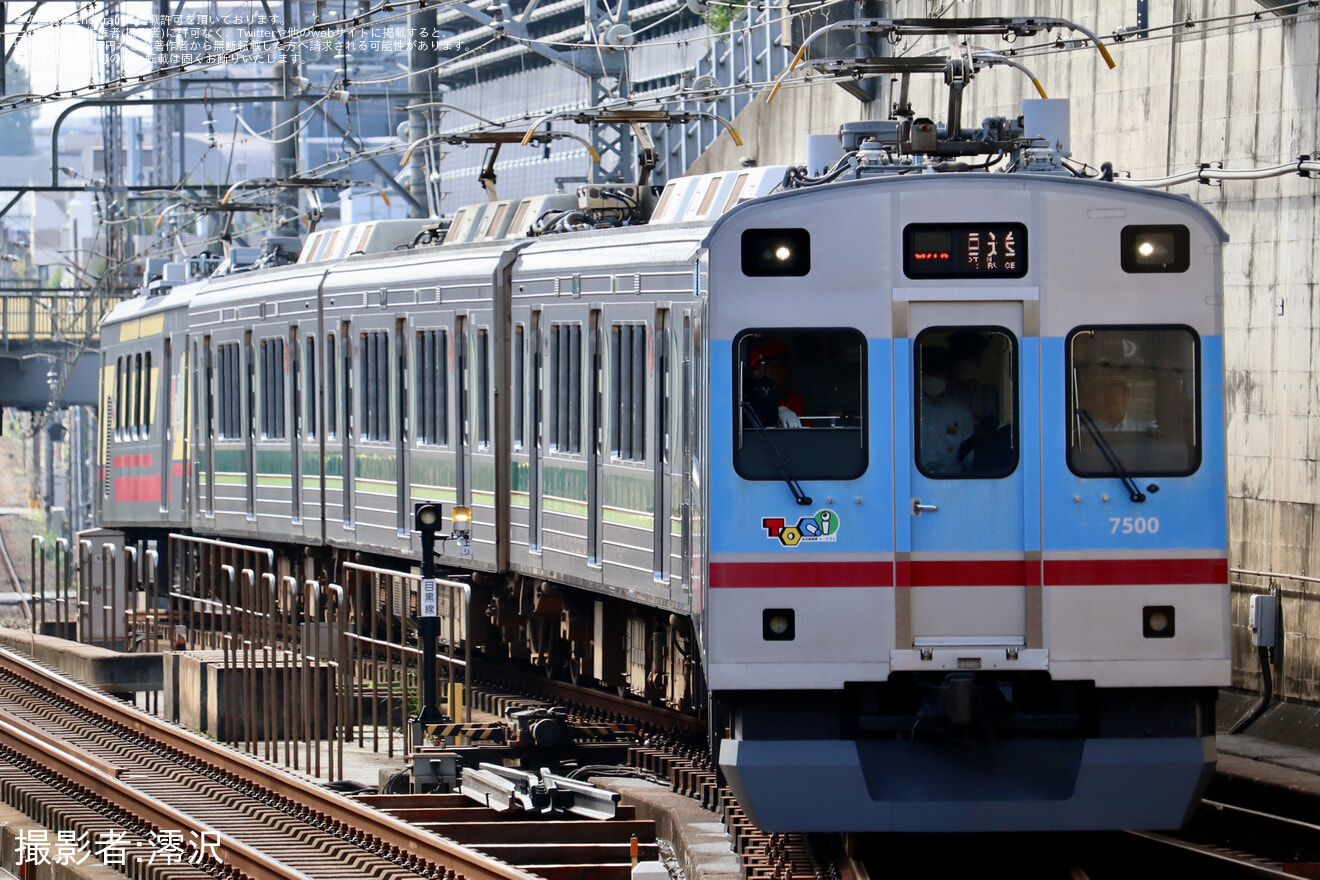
(771, 395)
(945, 422)
(1111, 393)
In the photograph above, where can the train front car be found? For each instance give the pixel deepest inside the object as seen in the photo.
(967, 533)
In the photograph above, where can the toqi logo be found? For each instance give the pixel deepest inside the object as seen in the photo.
(824, 526)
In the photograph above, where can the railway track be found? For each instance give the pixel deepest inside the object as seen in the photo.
(183, 806)
(672, 748)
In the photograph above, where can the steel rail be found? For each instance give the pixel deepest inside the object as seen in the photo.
(244, 860)
(437, 853)
(1216, 855)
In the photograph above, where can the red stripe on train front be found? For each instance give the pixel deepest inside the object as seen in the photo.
(1099, 572)
(128, 461)
(968, 573)
(137, 488)
(801, 574)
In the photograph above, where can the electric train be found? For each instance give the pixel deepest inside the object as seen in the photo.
(909, 477)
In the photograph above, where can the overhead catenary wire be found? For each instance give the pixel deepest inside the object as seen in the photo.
(384, 13)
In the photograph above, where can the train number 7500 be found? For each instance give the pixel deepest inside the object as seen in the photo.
(1127, 525)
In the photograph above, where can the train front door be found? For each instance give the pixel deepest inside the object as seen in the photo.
(968, 528)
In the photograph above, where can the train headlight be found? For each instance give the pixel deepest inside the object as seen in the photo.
(767, 252)
(1155, 249)
(778, 625)
(1157, 621)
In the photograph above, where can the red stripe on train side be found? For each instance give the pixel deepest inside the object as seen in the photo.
(137, 488)
(801, 574)
(128, 461)
(1101, 572)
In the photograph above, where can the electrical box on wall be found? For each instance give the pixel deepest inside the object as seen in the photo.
(1261, 620)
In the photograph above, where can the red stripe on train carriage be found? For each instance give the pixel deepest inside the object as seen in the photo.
(801, 574)
(137, 488)
(1102, 572)
(128, 461)
(968, 573)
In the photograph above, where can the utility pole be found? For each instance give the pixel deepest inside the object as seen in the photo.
(422, 59)
(167, 118)
(116, 233)
(286, 129)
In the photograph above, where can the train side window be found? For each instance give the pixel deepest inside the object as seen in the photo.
(137, 396)
(374, 352)
(965, 402)
(311, 386)
(229, 399)
(271, 383)
(483, 387)
(801, 404)
(119, 399)
(565, 388)
(1133, 401)
(148, 402)
(424, 364)
(519, 402)
(432, 364)
(628, 391)
(331, 388)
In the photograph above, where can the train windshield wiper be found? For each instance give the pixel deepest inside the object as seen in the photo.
(798, 495)
(1134, 491)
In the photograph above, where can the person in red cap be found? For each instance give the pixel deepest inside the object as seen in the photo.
(768, 365)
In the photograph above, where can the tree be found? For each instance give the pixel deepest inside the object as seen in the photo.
(16, 126)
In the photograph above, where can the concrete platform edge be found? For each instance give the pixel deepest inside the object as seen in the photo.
(700, 840)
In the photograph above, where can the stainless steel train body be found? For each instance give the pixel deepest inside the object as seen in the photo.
(708, 465)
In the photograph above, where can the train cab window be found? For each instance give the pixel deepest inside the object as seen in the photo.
(800, 404)
(965, 402)
(1133, 401)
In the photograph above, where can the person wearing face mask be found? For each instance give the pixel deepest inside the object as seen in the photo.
(945, 421)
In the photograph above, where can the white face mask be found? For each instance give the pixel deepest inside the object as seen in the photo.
(965, 371)
(932, 386)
